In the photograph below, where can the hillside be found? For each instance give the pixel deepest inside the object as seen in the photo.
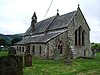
(9, 38)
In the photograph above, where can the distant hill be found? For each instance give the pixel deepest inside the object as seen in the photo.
(9, 38)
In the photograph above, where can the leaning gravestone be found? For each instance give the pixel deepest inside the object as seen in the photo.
(11, 65)
(56, 54)
(68, 57)
(28, 60)
(11, 51)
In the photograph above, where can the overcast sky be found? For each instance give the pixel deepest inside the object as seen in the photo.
(15, 15)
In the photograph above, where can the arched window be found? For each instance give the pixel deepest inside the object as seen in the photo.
(79, 36)
(83, 37)
(22, 49)
(60, 47)
(28, 48)
(33, 50)
(19, 48)
(84, 52)
(40, 49)
(76, 37)
(80, 28)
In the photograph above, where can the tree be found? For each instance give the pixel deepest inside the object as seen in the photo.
(15, 40)
(95, 46)
(3, 42)
(99, 47)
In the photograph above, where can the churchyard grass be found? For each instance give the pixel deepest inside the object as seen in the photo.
(3, 53)
(57, 67)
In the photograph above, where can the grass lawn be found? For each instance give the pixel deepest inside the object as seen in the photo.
(3, 53)
(52, 67)
(57, 67)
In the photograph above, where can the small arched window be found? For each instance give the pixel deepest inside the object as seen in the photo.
(80, 29)
(83, 37)
(33, 50)
(28, 48)
(60, 47)
(19, 48)
(76, 37)
(40, 49)
(22, 49)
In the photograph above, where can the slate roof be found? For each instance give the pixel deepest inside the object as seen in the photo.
(40, 39)
(40, 26)
(51, 24)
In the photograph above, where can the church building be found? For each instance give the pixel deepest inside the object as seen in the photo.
(54, 37)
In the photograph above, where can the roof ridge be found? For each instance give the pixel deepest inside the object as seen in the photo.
(50, 24)
(69, 12)
(72, 16)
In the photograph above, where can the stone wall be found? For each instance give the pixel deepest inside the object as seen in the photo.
(54, 42)
(37, 53)
(78, 21)
(20, 49)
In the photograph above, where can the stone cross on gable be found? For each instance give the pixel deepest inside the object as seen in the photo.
(57, 12)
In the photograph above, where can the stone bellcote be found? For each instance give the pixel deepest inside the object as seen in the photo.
(34, 20)
(34, 17)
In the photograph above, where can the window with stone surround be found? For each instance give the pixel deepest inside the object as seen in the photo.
(22, 49)
(60, 47)
(19, 48)
(33, 50)
(83, 37)
(80, 36)
(76, 37)
(40, 49)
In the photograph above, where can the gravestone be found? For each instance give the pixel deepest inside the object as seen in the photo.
(73, 52)
(28, 60)
(56, 54)
(68, 55)
(11, 51)
(11, 65)
(93, 53)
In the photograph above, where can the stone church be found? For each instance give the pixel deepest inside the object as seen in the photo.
(57, 36)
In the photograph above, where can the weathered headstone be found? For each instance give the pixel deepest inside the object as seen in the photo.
(93, 53)
(11, 51)
(67, 59)
(28, 60)
(56, 54)
(73, 52)
(11, 65)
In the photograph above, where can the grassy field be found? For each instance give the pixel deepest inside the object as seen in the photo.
(51, 67)
(57, 67)
(3, 53)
